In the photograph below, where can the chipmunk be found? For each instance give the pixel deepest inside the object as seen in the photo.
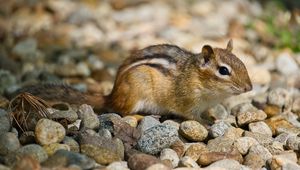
(165, 79)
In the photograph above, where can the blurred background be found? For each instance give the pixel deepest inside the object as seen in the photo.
(82, 42)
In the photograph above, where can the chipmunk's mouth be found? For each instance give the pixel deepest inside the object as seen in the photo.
(236, 91)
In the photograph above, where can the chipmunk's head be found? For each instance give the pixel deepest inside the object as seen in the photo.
(224, 72)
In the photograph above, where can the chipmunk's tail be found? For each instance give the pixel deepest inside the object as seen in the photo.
(55, 93)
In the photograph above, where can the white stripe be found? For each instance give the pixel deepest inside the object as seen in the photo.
(165, 63)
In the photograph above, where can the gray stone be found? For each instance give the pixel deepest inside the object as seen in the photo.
(27, 49)
(72, 143)
(261, 151)
(244, 143)
(120, 165)
(283, 137)
(280, 97)
(217, 112)
(6, 80)
(172, 123)
(220, 144)
(293, 142)
(171, 155)
(106, 121)
(285, 64)
(105, 133)
(4, 121)
(70, 115)
(261, 138)
(227, 164)
(68, 158)
(155, 139)
(48, 131)
(103, 151)
(219, 128)
(260, 127)
(34, 150)
(193, 130)
(89, 118)
(8, 143)
(275, 147)
(187, 161)
(146, 123)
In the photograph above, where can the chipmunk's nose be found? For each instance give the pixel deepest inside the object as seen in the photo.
(248, 87)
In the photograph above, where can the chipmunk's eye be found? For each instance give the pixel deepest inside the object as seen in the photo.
(223, 70)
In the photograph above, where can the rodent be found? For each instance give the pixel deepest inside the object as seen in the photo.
(164, 79)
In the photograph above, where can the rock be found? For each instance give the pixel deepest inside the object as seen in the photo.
(89, 118)
(260, 151)
(233, 133)
(69, 114)
(2, 167)
(141, 161)
(154, 139)
(195, 149)
(131, 120)
(106, 121)
(146, 123)
(283, 137)
(8, 143)
(193, 130)
(275, 147)
(280, 97)
(220, 144)
(285, 64)
(102, 150)
(247, 113)
(210, 157)
(260, 138)
(121, 165)
(296, 106)
(172, 123)
(218, 129)
(260, 127)
(26, 163)
(6, 80)
(171, 155)
(48, 131)
(283, 162)
(227, 164)
(293, 143)
(27, 49)
(27, 137)
(272, 110)
(33, 150)
(158, 166)
(178, 147)
(244, 143)
(4, 121)
(105, 133)
(53, 147)
(248, 117)
(66, 158)
(188, 162)
(254, 161)
(279, 124)
(217, 112)
(72, 143)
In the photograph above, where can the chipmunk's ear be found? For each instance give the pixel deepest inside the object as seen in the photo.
(207, 52)
(229, 45)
